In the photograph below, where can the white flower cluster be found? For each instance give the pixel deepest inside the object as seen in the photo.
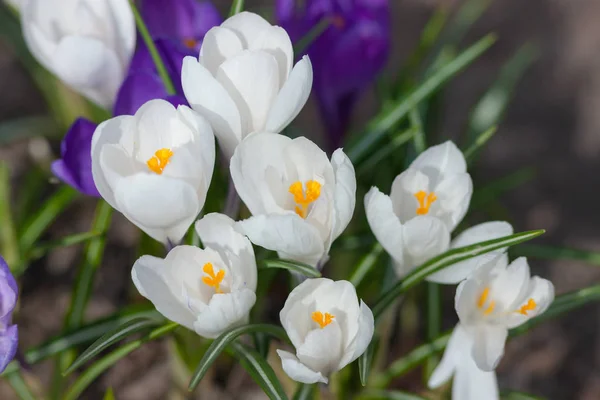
(156, 166)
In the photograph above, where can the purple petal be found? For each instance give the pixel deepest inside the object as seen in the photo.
(138, 89)
(75, 167)
(9, 341)
(8, 293)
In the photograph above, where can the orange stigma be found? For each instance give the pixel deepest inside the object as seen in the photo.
(159, 160)
(304, 199)
(483, 299)
(530, 306)
(213, 280)
(425, 201)
(322, 320)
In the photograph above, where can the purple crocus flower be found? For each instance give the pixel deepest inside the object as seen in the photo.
(346, 57)
(9, 334)
(184, 22)
(75, 166)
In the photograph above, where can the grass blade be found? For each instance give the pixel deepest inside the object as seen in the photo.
(385, 151)
(108, 339)
(478, 144)
(364, 142)
(92, 373)
(519, 396)
(8, 236)
(364, 363)
(42, 248)
(259, 370)
(556, 253)
(305, 392)
(109, 395)
(388, 395)
(493, 190)
(444, 260)
(293, 266)
(220, 343)
(365, 265)
(313, 34)
(16, 381)
(236, 7)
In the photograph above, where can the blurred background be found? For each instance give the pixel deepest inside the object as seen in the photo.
(549, 139)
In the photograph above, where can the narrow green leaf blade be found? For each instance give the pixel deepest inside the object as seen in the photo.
(366, 264)
(556, 253)
(364, 363)
(364, 141)
(109, 395)
(384, 151)
(236, 7)
(16, 381)
(260, 370)
(293, 266)
(42, 249)
(92, 373)
(444, 260)
(121, 332)
(388, 395)
(479, 143)
(302, 45)
(220, 343)
(519, 396)
(305, 392)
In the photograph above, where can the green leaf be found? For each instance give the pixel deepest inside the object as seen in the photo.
(364, 363)
(94, 371)
(444, 260)
(108, 339)
(518, 396)
(417, 124)
(8, 236)
(492, 106)
(37, 224)
(305, 392)
(109, 395)
(42, 249)
(147, 38)
(220, 343)
(388, 395)
(478, 144)
(495, 189)
(236, 7)
(19, 385)
(385, 151)
(87, 334)
(302, 45)
(364, 142)
(366, 264)
(259, 370)
(26, 128)
(293, 266)
(556, 253)
(434, 317)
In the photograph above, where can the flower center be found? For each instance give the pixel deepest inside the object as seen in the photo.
(159, 160)
(213, 280)
(304, 198)
(530, 306)
(322, 319)
(190, 43)
(425, 201)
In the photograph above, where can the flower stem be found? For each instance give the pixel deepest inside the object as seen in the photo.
(232, 202)
(160, 66)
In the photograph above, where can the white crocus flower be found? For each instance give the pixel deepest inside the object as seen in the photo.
(155, 167)
(469, 383)
(496, 298)
(300, 200)
(426, 203)
(208, 291)
(243, 81)
(88, 44)
(328, 327)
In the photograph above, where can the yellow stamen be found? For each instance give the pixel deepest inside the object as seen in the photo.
(425, 201)
(322, 320)
(530, 306)
(190, 43)
(304, 199)
(213, 280)
(482, 300)
(159, 160)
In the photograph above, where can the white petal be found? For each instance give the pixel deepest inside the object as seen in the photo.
(249, 168)
(107, 133)
(287, 233)
(384, 223)
(150, 276)
(478, 233)
(218, 45)
(454, 196)
(98, 78)
(510, 284)
(210, 99)
(298, 371)
(276, 42)
(488, 346)
(162, 207)
(292, 96)
(364, 335)
(252, 81)
(471, 383)
(465, 300)
(403, 192)
(217, 232)
(541, 291)
(225, 311)
(424, 238)
(445, 157)
(124, 26)
(458, 347)
(345, 191)
(322, 349)
(248, 26)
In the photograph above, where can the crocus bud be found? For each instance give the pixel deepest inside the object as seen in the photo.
(75, 165)
(299, 199)
(88, 44)
(243, 81)
(155, 167)
(426, 203)
(496, 298)
(469, 383)
(9, 333)
(208, 291)
(327, 325)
